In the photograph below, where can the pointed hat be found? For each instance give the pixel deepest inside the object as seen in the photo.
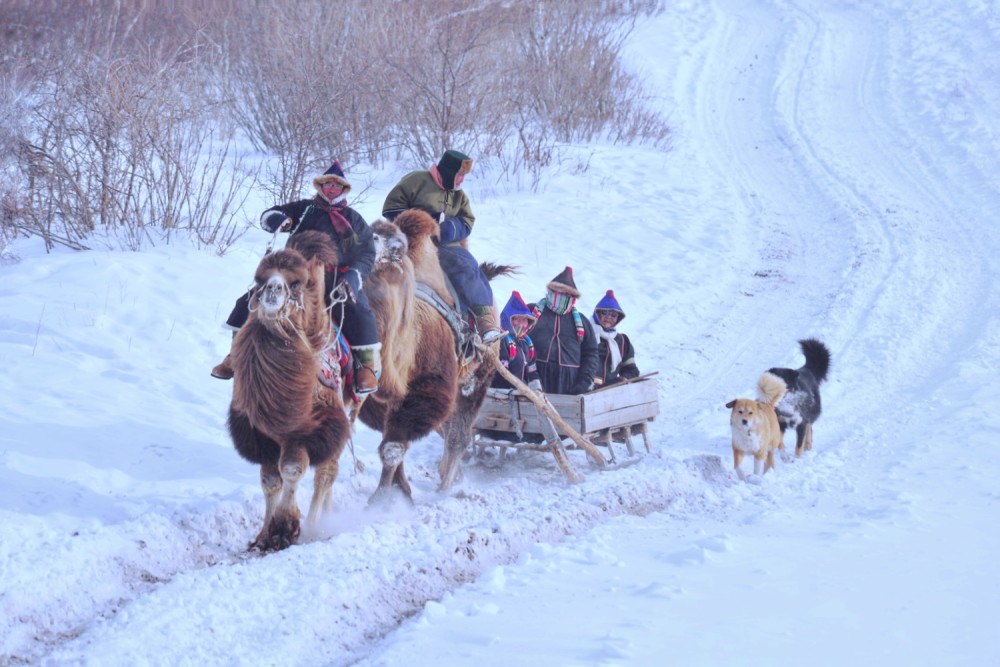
(564, 283)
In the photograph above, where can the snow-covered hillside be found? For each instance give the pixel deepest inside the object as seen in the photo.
(834, 174)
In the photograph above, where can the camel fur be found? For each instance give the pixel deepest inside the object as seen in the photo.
(281, 416)
(424, 386)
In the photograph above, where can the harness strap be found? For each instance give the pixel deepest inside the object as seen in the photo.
(452, 315)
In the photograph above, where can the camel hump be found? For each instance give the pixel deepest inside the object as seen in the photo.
(416, 224)
(314, 245)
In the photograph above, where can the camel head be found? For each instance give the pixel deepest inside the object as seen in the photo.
(279, 285)
(391, 245)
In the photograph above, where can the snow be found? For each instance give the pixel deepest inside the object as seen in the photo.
(833, 175)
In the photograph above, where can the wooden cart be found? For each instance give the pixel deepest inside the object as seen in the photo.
(608, 415)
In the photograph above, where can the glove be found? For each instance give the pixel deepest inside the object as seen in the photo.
(453, 229)
(353, 280)
(271, 221)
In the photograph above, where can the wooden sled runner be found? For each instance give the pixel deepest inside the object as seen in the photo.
(605, 416)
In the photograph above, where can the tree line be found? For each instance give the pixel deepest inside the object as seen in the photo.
(124, 121)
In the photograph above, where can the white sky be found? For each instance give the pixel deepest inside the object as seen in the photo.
(834, 174)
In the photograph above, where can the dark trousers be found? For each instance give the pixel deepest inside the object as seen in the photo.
(466, 277)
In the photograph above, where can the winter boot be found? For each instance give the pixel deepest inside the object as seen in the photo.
(367, 368)
(224, 369)
(487, 323)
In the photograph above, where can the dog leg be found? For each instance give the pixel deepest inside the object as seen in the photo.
(800, 438)
(737, 461)
(809, 436)
(769, 462)
(758, 466)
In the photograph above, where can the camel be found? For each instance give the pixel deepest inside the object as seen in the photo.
(282, 416)
(425, 385)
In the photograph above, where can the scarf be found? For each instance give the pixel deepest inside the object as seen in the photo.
(561, 304)
(333, 211)
(512, 348)
(337, 219)
(616, 354)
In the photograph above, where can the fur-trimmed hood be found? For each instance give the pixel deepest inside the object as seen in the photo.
(564, 283)
(336, 174)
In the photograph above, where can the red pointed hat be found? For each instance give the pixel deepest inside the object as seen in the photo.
(564, 283)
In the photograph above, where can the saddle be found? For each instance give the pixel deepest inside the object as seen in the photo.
(335, 364)
(462, 328)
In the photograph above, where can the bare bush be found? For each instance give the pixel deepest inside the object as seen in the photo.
(123, 120)
(296, 84)
(120, 143)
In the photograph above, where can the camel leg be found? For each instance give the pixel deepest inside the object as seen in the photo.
(392, 453)
(460, 426)
(283, 528)
(400, 480)
(455, 446)
(322, 499)
(324, 446)
(270, 482)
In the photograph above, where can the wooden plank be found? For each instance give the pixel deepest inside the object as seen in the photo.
(619, 405)
(626, 415)
(618, 396)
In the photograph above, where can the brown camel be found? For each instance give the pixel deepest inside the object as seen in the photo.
(424, 385)
(281, 416)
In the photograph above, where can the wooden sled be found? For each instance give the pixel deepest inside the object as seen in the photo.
(605, 416)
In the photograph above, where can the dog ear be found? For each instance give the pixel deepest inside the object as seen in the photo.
(731, 403)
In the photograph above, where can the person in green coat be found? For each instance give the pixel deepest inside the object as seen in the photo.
(438, 191)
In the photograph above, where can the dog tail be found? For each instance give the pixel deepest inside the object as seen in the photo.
(817, 358)
(771, 388)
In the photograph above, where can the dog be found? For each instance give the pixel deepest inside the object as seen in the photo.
(755, 425)
(800, 405)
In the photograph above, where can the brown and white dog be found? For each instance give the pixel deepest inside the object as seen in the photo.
(755, 426)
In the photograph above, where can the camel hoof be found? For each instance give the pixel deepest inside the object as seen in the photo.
(276, 537)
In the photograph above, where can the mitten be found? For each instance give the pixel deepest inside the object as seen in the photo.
(271, 221)
(353, 280)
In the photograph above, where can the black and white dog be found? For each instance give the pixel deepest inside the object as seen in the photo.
(800, 406)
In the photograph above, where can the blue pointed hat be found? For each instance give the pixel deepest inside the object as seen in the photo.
(515, 306)
(609, 302)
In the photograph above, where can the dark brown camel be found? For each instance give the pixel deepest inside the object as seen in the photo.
(281, 416)
(424, 385)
